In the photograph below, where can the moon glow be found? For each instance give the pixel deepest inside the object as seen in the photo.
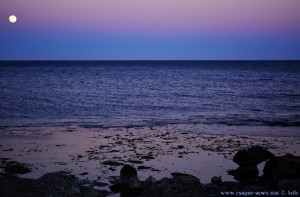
(12, 19)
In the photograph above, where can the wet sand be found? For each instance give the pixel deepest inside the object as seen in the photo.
(99, 154)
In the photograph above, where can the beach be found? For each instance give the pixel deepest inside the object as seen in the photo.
(91, 119)
(99, 154)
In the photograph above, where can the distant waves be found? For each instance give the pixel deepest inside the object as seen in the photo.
(125, 94)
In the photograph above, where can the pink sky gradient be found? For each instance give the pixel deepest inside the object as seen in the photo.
(150, 29)
(280, 17)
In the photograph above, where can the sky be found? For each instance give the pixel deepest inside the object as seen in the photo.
(150, 30)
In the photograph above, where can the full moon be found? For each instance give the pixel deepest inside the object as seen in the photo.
(12, 19)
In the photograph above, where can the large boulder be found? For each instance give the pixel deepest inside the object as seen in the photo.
(128, 175)
(129, 185)
(248, 159)
(285, 167)
(252, 156)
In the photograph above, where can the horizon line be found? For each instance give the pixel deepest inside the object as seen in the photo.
(142, 60)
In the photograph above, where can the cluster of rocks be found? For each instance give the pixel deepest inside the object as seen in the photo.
(280, 173)
(277, 170)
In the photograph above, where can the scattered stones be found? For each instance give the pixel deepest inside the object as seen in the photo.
(113, 150)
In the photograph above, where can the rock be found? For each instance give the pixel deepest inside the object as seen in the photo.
(248, 159)
(112, 163)
(144, 167)
(179, 185)
(60, 184)
(245, 174)
(216, 179)
(213, 189)
(129, 185)
(84, 173)
(10, 149)
(185, 177)
(147, 157)
(90, 192)
(252, 156)
(283, 167)
(129, 177)
(13, 167)
(150, 180)
(288, 184)
(135, 161)
(52, 184)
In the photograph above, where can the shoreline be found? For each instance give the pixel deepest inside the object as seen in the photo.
(97, 155)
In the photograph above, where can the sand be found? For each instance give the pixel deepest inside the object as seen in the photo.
(99, 154)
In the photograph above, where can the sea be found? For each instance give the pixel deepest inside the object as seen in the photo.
(223, 97)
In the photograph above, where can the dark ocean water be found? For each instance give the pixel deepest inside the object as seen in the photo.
(144, 93)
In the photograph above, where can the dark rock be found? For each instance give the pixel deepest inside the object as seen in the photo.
(84, 173)
(144, 167)
(52, 184)
(216, 179)
(112, 169)
(59, 184)
(281, 168)
(252, 156)
(13, 167)
(147, 157)
(213, 189)
(135, 161)
(14, 186)
(288, 184)
(180, 147)
(184, 177)
(112, 163)
(150, 180)
(248, 159)
(179, 185)
(10, 149)
(129, 184)
(118, 187)
(245, 174)
(90, 192)
(128, 175)
(100, 184)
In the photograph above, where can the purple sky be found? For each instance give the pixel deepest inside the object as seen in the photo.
(144, 29)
